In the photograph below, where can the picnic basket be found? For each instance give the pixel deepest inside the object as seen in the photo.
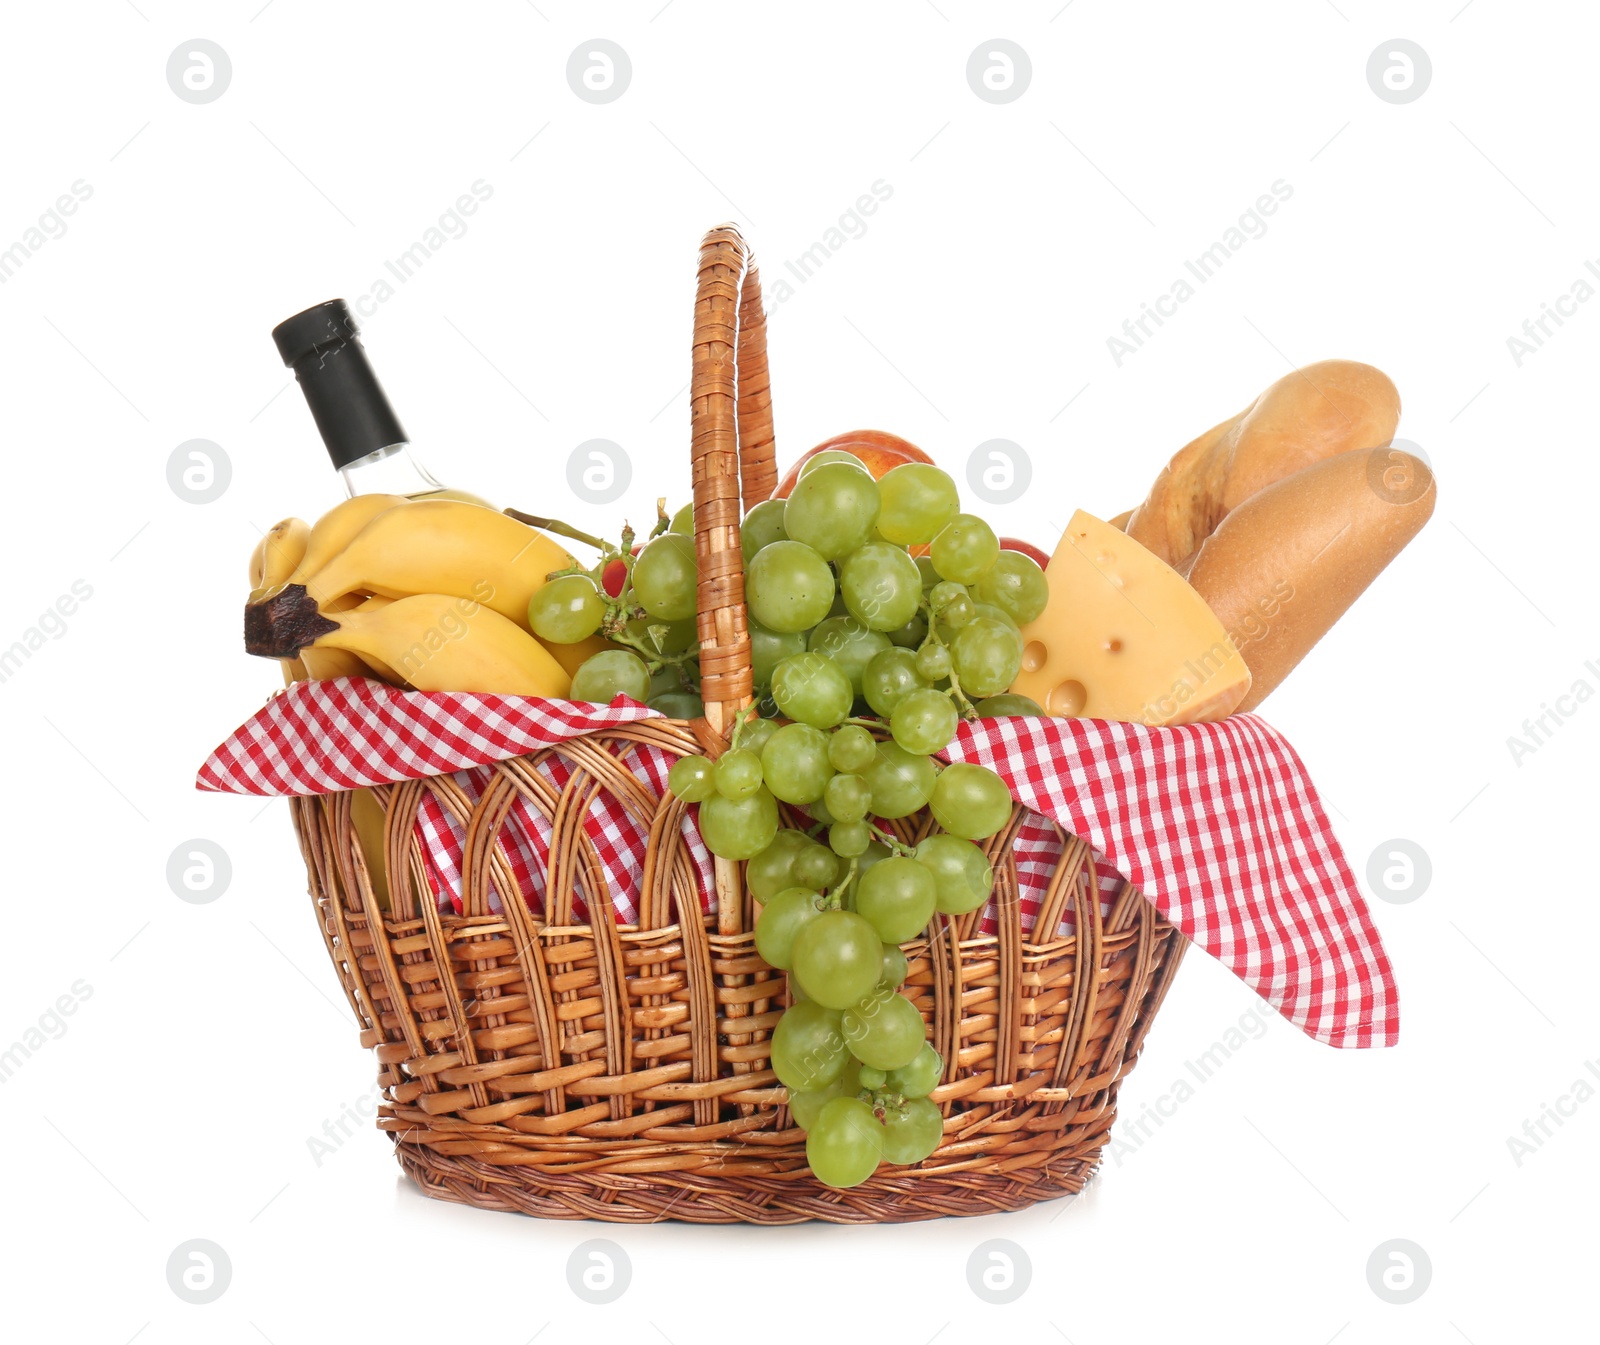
(532, 1062)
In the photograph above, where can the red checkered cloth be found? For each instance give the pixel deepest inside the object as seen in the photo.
(1217, 824)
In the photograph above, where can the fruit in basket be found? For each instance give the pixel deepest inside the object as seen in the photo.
(609, 674)
(436, 642)
(918, 500)
(337, 528)
(442, 546)
(276, 555)
(664, 577)
(788, 587)
(877, 450)
(1028, 549)
(567, 610)
(832, 510)
(845, 1144)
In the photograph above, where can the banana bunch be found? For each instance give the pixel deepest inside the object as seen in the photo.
(429, 593)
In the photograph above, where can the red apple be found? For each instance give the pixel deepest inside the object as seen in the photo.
(1027, 549)
(879, 451)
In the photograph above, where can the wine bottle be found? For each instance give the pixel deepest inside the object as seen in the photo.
(362, 434)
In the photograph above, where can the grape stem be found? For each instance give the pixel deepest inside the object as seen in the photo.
(963, 705)
(895, 845)
(836, 896)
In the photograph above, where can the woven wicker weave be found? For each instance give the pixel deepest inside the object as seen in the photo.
(619, 1072)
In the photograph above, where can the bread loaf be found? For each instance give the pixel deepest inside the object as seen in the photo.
(1285, 564)
(1305, 417)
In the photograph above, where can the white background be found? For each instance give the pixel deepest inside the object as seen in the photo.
(180, 1099)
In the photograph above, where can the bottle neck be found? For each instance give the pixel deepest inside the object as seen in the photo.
(393, 470)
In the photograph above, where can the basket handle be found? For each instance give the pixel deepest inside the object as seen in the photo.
(732, 453)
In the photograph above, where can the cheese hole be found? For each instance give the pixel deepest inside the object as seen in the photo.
(1067, 699)
(1113, 646)
(1033, 656)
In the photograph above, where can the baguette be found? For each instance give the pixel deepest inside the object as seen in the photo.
(1287, 563)
(1307, 416)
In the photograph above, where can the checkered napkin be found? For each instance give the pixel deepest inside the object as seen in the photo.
(1217, 824)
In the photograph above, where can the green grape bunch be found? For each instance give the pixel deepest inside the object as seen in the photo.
(865, 659)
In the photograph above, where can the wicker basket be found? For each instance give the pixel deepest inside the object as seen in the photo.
(619, 1072)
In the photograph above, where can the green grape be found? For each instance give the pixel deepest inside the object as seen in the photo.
(920, 1077)
(881, 586)
(828, 455)
(847, 798)
(999, 615)
(837, 958)
(566, 610)
(924, 722)
(781, 919)
(1009, 706)
(739, 828)
(812, 689)
(817, 866)
(871, 1079)
(874, 854)
(771, 871)
(666, 637)
(664, 577)
(738, 774)
(795, 763)
(964, 549)
(884, 1029)
(757, 733)
(986, 656)
(788, 587)
(692, 778)
(911, 635)
(808, 1050)
(845, 1143)
(933, 662)
(901, 781)
(683, 520)
(930, 576)
(889, 678)
(971, 802)
(849, 644)
(1017, 585)
(832, 509)
(663, 680)
(895, 966)
(768, 648)
(851, 748)
(804, 1107)
(819, 813)
(677, 704)
(762, 526)
(911, 1131)
(962, 875)
(918, 500)
(611, 673)
(896, 898)
(943, 594)
(849, 839)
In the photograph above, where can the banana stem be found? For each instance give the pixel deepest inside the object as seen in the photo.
(556, 526)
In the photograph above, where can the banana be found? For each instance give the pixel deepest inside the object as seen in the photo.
(367, 819)
(338, 527)
(323, 665)
(445, 547)
(436, 642)
(277, 555)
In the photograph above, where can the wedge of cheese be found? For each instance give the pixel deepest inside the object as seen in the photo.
(1125, 637)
